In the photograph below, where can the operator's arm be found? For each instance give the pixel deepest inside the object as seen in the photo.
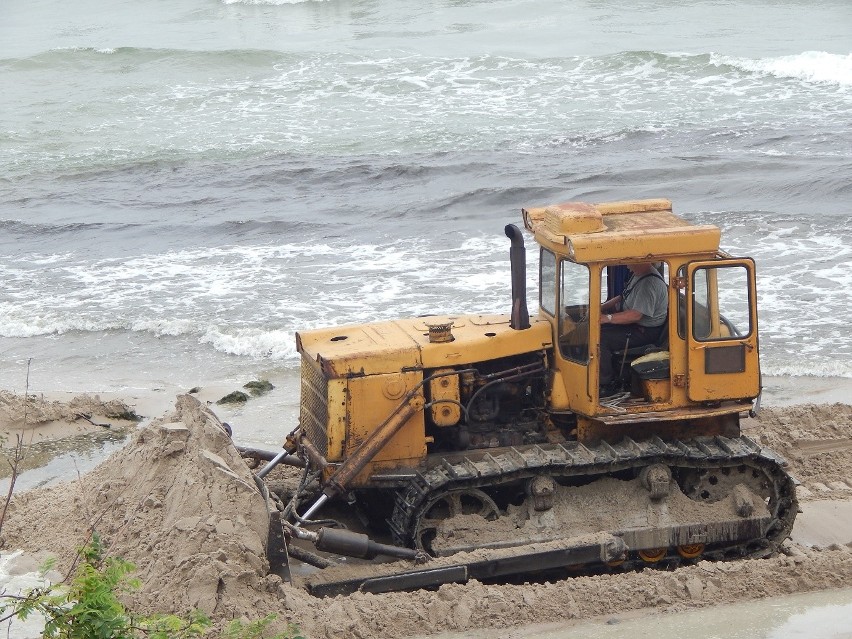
(611, 304)
(630, 316)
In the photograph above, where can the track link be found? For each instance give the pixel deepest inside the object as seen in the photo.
(484, 469)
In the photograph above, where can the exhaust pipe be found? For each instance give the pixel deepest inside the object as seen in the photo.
(518, 259)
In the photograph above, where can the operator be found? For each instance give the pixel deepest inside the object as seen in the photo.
(634, 318)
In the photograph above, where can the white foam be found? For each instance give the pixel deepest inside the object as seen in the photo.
(274, 3)
(256, 343)
(19, 584)
(810, 66)
(248, 301)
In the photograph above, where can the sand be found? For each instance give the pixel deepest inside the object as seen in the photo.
(179, 503)
(38, 419)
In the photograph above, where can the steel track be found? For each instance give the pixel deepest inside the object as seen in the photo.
(572, 460)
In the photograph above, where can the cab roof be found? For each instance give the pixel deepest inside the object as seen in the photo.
(632, 229)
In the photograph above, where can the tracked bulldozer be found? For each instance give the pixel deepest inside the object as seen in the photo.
(479, 446)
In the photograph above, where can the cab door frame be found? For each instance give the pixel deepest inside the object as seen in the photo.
(721, 364)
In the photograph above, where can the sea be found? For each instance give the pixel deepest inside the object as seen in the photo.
(186, 184)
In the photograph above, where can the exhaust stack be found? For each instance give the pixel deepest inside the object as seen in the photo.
(518, 258)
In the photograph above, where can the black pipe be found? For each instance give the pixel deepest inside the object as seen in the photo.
(266, 455)
(518, 259)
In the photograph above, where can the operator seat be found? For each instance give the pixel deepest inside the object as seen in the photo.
(624, 358)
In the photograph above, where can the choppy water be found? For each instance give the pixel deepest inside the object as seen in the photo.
(185, 184)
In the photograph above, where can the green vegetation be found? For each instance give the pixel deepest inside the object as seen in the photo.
(89, 608)
(257, 630)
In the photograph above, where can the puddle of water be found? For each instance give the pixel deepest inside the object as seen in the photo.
(51, 462)
(816, 615)
(14, 582)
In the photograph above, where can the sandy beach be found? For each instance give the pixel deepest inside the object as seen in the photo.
(209, 555)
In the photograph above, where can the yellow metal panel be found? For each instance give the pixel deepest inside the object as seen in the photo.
(480, 338)
(369, 407)
(638, 242)
(337, 403)
(657, 390)
(445, 395)
(634, 206)
(559, 399)
(535, 216)
(385, 347)
(575, 377)
(630, 230)
(574, 217)
(366, 349)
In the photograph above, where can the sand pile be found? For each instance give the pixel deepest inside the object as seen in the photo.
(178, 502)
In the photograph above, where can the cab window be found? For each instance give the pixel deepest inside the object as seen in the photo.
(547, 282)
(574, 312)
(725, 315)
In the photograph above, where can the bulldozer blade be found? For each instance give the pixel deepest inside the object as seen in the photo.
(501, 565)
(276, 548)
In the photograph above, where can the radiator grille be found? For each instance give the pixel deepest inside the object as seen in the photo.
(313, 412)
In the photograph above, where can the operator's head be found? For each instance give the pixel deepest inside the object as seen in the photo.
(641, 268)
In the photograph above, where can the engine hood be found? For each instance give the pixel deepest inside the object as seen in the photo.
(397, 345)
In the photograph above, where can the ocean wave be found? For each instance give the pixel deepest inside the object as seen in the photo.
(275, 3)
(40, 229)
(248, 300)
(277, 345)
(811, 66)
(135, 59)
(808, 367)
(160, 105)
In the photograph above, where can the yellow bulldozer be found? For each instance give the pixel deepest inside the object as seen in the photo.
(459, 433)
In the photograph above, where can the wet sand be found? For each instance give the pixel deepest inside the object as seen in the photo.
(812, 615)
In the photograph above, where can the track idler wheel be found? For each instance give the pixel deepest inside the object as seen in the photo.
(652, 555)
(690, 551)
(448, 504)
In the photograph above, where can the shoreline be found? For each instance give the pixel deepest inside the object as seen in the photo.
(807, 389)
(266, 419)
(61, 449)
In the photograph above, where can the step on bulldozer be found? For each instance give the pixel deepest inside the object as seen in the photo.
(479, 446)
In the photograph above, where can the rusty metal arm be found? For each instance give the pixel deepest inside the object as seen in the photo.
(368, 449)
(348, 470)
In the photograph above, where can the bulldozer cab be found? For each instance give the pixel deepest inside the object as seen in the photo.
(707, 348)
